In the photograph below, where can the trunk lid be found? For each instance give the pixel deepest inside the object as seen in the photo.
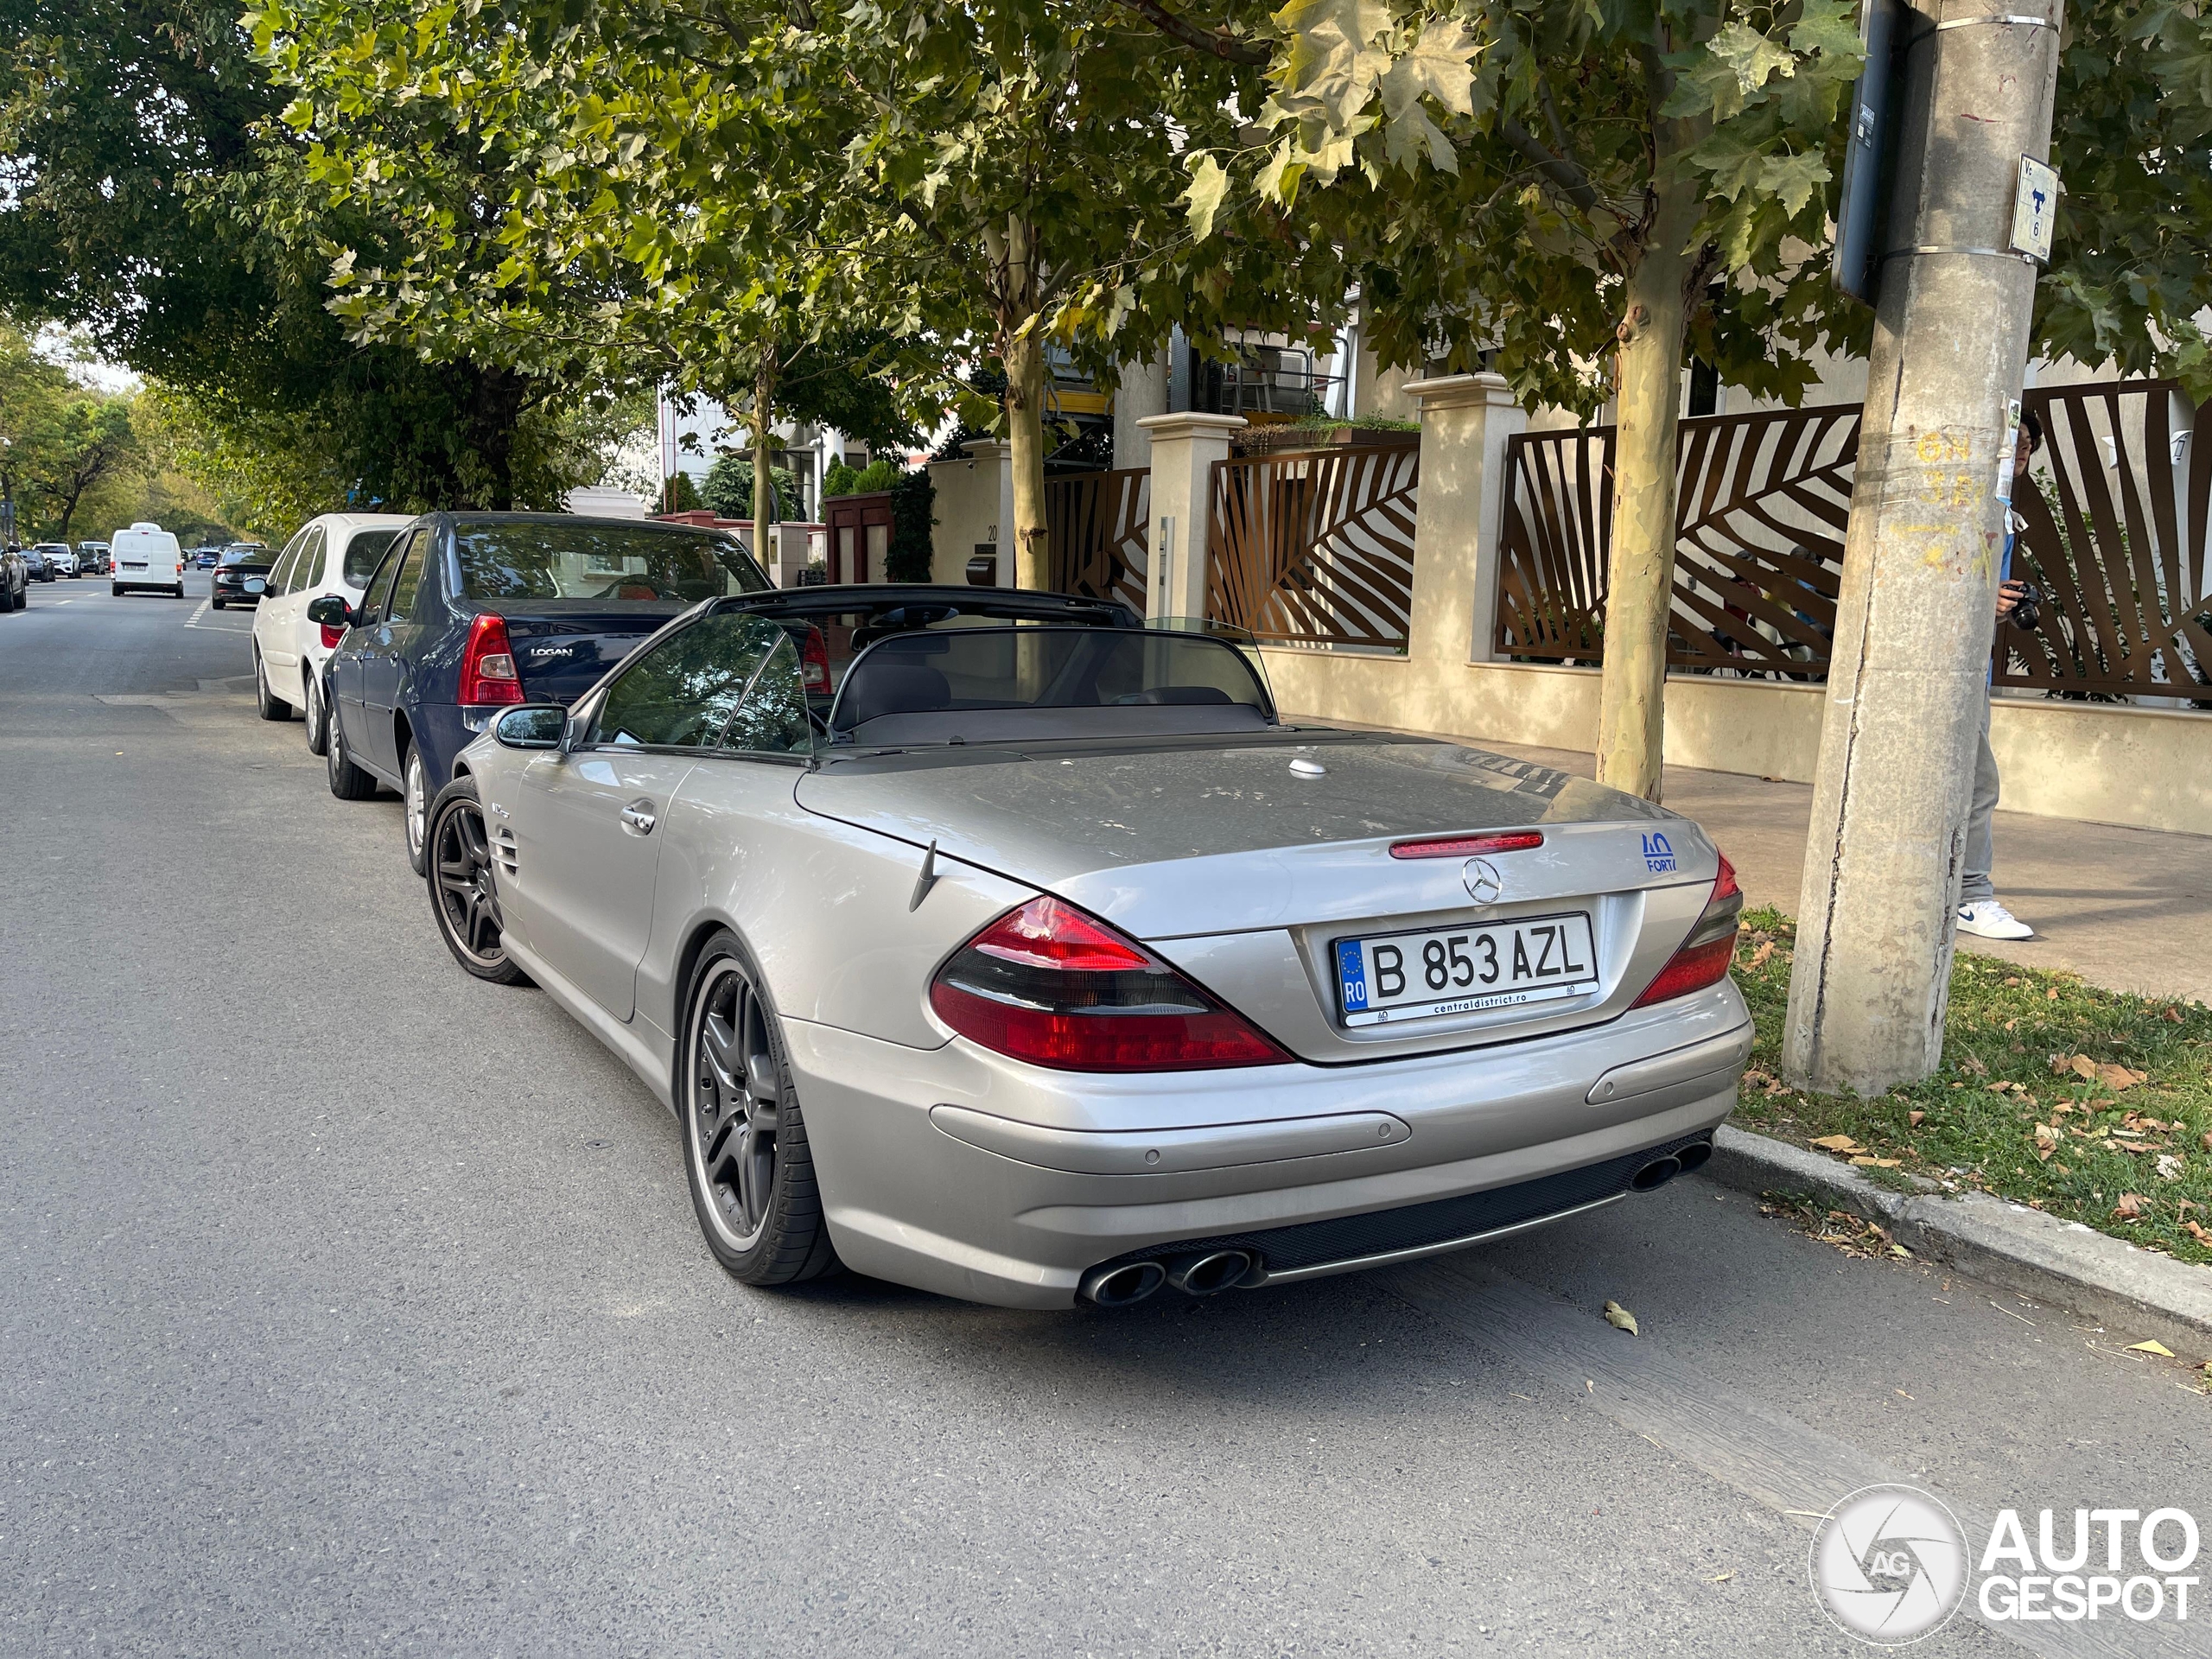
(563, 645)
(1248, 875)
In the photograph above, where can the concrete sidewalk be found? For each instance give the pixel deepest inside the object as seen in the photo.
(2127, 909)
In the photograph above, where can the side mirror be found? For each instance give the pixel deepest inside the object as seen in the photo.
(256, 585)
(331, 610)
(533, 726)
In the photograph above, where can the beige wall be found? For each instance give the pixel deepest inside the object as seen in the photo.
(2150, 768)
(971, 507)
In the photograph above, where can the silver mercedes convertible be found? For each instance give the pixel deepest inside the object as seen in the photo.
(999, 945)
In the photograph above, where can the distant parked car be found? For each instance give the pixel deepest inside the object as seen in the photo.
(334, 554)
(93, 558)
(36, 565)
(241, 574)
(146, 556)
(206, 556)
(15, 580)
(469, 612)
(60, 559)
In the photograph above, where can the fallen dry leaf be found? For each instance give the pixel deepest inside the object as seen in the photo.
(1998, 1088)
(1900, 1250)
(2197, 1230)
(1836, 1143)
(1867, 1160)
(2013, 979)
(2169, 1166)
(2129, 1207)
(1721, 1578)
(2206, 1141)
(2051, 995)
(1759, 955)
(2046, 1139)
(2083, 1067)
(2117, 1077)
(1916, 1119)
(2153, 1346)
(1621, 1319)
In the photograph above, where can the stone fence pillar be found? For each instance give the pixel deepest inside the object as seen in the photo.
(1466, 420)
(1184, 448)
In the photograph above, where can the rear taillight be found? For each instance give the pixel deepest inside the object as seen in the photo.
(332, 638)
(1047, 984)
(487, 664)
(814, 663)
(1702, 959)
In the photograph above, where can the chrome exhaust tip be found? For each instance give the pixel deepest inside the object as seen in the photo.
(1121, 1287)
(1655, 1174)
(1693, 1155)
(1210, 1273)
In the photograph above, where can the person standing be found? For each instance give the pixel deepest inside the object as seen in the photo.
(1980, 914)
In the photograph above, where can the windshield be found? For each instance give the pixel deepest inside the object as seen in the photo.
(994, 684)
(593, 559)
(246, 555)
(362, 553)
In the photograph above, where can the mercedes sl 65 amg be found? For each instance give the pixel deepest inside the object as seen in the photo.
(999, 945)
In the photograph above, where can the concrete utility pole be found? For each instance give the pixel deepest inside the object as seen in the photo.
(1873, 975)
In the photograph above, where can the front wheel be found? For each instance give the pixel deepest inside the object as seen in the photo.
(463, 894)
(267, 703)
(745, 1150)
(348, 781)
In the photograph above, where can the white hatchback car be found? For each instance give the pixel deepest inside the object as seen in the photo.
(334, 554)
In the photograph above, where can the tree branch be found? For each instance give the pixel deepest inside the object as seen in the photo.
(1566, 176)
(1218, 42)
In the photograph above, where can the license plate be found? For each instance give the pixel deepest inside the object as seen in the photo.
(129, 566)
(1447, 970)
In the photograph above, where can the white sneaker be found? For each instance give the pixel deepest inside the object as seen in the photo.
(1987, 920)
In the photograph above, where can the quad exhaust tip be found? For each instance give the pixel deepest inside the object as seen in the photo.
(1205, 1275)
(1659, 1171)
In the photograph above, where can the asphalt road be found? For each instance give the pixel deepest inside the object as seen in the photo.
(350, 1303)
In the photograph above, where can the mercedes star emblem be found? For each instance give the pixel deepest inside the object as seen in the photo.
(1485, 885)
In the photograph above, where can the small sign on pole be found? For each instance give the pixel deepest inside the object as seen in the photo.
(2035, 209)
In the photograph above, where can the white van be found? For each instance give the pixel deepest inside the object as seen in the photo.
(146, 556)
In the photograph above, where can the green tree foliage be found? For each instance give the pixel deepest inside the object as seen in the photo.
(143, 180)
(729, 488)
(61, 445)
(1579, 196)
(914, 519)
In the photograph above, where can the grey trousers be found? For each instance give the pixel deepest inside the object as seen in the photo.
(1981, 849)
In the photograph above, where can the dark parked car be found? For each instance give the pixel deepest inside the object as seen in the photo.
(37, 566)
(94, 558)
(241, 573)
(15, 580)
(468, 612)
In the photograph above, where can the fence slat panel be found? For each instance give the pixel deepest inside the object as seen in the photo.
(1098, 533)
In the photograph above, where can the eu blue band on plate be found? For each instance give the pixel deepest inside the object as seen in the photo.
(1351, 970)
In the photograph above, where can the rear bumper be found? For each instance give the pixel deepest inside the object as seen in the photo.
(960, 1171)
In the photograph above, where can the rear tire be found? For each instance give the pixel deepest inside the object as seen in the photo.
(318, 715)
(178, 592)
(348, 781)
(745, 1148)
(463, 887)
(266, 703)
(115, 590)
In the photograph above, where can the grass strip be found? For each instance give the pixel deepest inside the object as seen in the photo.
(2092, 1105)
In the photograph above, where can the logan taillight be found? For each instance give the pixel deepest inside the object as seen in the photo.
(1702, 959)
(1047, 984)
(487, 663)
(814, 663)
(332, 638)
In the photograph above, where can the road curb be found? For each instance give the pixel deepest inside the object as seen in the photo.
(2061, 1263)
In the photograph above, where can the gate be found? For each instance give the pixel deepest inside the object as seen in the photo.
(2116, 511)
(1096, 524)
(1316, 547)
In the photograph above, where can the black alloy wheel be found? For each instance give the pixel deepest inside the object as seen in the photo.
(464, 893)
(745, 1146)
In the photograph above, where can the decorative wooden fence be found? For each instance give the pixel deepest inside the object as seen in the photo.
(1315, 547)
(1763, 503)
(2116, 543)
(1097, 523)
(1761, 507)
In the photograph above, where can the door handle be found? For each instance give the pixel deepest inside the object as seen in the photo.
(638, 817)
